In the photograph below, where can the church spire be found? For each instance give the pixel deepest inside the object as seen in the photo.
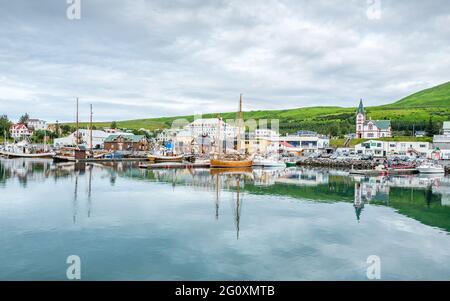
(361, 108)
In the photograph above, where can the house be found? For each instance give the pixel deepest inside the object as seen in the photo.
(442, 142)
(420, 134)
(20, 131)
(378, 148)
(446, 128)
(37, 124)
(308, 142)
(125, 142)
(98, 139)
(369, 129)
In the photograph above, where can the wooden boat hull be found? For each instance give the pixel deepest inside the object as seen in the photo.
(230, 164)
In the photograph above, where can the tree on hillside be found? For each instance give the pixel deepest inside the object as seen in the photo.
(24, 118)
(5, 124)
(114, 125)
(431, 128)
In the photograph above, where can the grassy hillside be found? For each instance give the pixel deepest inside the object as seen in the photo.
(415, 109)
(436, 96)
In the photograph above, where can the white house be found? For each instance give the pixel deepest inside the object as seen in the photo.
(20, 131)
(209, 127)
(371, 128)
(309, 143)
(98, 139)
(446, 128)
(37, 124)
(378, 148)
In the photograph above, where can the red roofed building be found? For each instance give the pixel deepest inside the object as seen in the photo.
(19, 131)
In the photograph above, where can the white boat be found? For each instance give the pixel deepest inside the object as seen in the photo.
(428, 168)
(24, 150)
(267, 162)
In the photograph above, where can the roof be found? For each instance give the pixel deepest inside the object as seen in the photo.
(285, 144)
(130, 138)
(381, 124)
(361, 108)
(19, 126)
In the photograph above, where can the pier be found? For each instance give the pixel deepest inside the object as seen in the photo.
(173, 165)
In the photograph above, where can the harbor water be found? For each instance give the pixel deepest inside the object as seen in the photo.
(126, 223)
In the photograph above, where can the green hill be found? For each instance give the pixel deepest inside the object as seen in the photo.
(438, 96)
(414, 110)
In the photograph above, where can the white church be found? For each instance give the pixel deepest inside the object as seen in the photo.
(369, 129)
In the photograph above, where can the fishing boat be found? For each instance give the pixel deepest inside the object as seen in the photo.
(24, 150)
(232, 160)
(431, 168)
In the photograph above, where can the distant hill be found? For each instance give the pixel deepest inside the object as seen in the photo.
(437, 96)
(414, 110)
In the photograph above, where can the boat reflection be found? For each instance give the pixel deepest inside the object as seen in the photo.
(423, 198)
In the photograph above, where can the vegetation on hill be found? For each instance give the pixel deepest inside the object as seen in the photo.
(412, 112)
(438, 96)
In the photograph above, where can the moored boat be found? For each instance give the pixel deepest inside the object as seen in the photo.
(431, 168)
(219, 163)
(268, 162)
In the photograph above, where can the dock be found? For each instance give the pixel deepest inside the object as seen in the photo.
(96, 160)
(173, 165)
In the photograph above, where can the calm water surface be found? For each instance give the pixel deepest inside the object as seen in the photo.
(296, 224)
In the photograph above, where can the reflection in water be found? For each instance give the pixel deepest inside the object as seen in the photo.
(410, 195)
(180, 219)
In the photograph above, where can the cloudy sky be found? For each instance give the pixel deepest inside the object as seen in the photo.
(138, 59)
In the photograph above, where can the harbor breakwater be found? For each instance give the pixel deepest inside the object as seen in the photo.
(343, 164)
(350, 164)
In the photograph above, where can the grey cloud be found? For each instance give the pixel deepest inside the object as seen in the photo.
(138, 59)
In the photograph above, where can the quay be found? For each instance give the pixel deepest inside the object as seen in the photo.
(345, 164)
(96, 160)
(173, 165)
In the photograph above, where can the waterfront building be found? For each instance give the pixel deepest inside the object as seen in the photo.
(208, 128)
(309, 143)
(20, 131)
(378, 148)
(37, 124)
(98, 139)
(126, 142)
(442, 142)
(368, 129)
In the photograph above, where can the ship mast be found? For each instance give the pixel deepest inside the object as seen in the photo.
(239, 124)
(77, 132)
(90, 134)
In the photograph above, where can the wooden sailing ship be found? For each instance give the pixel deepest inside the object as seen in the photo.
(232, 160)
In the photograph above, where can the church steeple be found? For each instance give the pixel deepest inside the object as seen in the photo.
(361, 108)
